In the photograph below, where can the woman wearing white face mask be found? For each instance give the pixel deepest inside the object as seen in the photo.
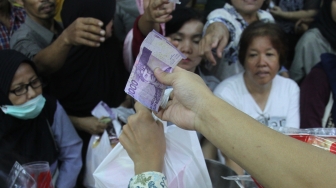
(34, 127)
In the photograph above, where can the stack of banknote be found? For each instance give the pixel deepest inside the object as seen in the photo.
(155, 52)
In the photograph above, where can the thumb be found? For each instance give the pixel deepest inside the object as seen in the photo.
(167, 78)
(163, 77)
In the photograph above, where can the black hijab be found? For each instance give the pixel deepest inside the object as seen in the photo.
(90, 75)
(325, 23)
(23, 140)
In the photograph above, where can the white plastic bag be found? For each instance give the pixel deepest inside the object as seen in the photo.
(101, 145)
(94, 156)
(184, 164)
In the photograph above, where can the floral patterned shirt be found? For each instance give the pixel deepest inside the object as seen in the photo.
(148, 180)
(235, 24)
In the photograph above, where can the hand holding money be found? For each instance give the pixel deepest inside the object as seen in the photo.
(158, 11)
(189, 97)
(155, 52)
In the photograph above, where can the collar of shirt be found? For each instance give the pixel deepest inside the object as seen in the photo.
(17, 13)
(239, 18)
(45, 33)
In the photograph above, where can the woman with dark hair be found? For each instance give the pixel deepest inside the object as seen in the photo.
(34, 127)
(258, 91)
(319, 39)
(222, 33)
(185, 27)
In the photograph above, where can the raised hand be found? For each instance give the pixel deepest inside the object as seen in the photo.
(158, 11)
(89, 124)
(84, 31)
(216, 36)
(144, 141)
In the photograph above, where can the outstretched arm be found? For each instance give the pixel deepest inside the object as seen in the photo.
(292, 15)
(157, 11)
(83, 31)
(274, 159)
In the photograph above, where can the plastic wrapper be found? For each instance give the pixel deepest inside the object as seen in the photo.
(324, 138)
(243, 181)
(19, 178)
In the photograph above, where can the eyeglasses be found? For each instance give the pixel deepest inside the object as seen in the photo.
(23, 89)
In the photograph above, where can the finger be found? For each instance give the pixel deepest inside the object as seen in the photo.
(162, 12)
(124, 138)
(97, 30)
(222, 44)
(165, 78)
(211, 58)
(208, 44)
(91, 21)
(163, 19)
(83, 41)
(159, 3)
(171, 95)
(139, 107)
(92, 37)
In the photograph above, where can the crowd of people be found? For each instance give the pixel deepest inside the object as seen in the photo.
(272, 60)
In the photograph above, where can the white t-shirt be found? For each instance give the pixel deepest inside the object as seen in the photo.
(282, 107)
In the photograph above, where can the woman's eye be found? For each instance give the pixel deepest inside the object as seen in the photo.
(196, 41)
(19, 89)
(177, 39)
(269, 54)
(252, 55)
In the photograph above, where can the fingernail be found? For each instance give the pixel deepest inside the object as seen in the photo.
(102, 39)
(158, 70)
(102, 32)
(100, 23)
(98, 44)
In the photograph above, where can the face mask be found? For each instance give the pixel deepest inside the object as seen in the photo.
(29, 110)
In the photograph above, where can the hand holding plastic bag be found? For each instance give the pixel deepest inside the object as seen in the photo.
(184, 164)
(101, 145)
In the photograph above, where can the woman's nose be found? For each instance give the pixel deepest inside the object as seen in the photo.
(31, 92)
(262, 60)
(186, 47)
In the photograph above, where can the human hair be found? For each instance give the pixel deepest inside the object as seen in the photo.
(180, 17)
(263, 29)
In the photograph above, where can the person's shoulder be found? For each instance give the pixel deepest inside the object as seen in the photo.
(22, 31)
(265, 16)
(235, 78)
(226, 12)
(231, 83)
(20, 34)
(285, 83)
(311, 35)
